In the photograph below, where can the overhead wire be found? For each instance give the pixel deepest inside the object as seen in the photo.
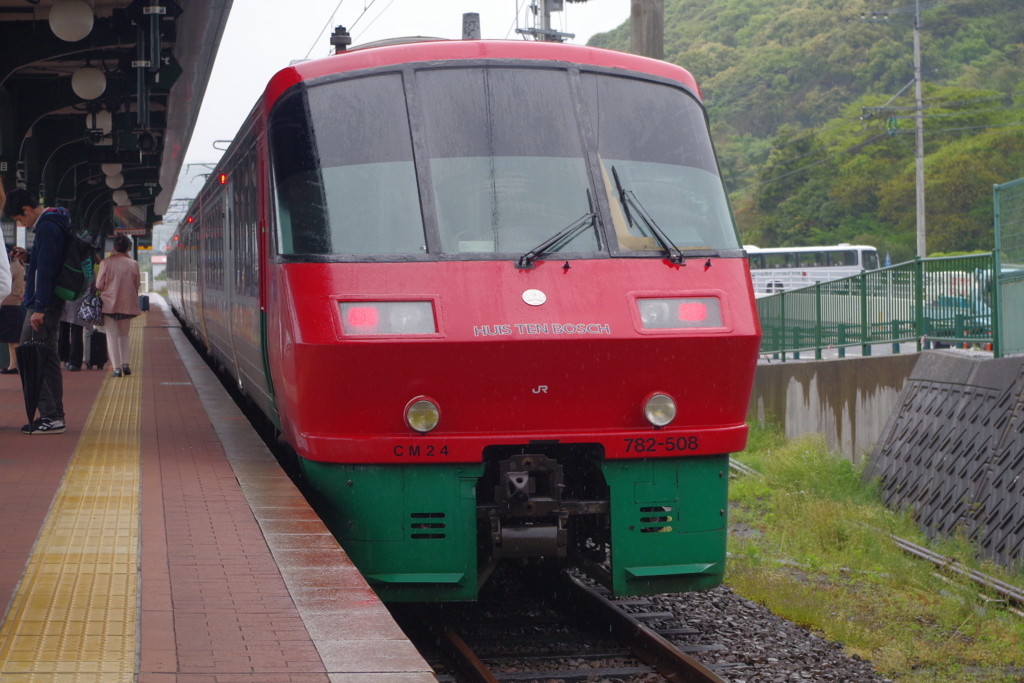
(515, 20)
(375, 18)
(912, 9)
(951, 130)
(366, 8)
(848, 150)
(965, 112)
(328, 23)
(869, 141)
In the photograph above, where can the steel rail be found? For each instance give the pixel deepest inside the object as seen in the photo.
(462, 657)
(1008, 592)
(650, 647)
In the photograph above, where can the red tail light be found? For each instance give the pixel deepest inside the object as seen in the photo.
(673, 314)
(363, 319)
(387, 317)
(692, 311)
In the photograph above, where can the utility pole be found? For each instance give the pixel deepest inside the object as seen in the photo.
(871, 112)
(647, 28)
(919, 132)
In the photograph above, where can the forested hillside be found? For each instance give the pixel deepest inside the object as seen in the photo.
(786, 83)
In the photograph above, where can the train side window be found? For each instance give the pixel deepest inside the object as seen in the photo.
(756, 261)
(869, 260)
(299, 187)
(343, 170)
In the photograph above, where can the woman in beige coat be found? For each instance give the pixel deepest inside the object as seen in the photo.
(118, 283)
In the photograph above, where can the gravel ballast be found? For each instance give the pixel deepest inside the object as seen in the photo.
(760, 647)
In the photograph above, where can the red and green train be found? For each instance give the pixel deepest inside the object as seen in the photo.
(492, 295)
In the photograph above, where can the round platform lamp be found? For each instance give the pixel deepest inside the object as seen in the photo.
(121, 198)
(71, 20)
(104, 120)
(114, 182)
(88, 82)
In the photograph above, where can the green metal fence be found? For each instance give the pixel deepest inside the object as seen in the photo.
(1008, 200)
(949, 300)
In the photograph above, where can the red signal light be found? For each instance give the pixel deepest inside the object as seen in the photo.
(363, 317)
(190, 220)
(222, 178)
(175, 238)
(692, 311)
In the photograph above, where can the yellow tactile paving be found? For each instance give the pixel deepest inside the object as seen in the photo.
(73, 618)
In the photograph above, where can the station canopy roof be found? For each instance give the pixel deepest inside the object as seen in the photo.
(98, 99)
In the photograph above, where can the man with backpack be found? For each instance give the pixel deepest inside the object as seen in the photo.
(52, 227)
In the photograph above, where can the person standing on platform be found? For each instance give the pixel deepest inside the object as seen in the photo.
(5, 274)
(12, 313)
(118, 283)
(51, 227)
(72, 331)
(5, 266)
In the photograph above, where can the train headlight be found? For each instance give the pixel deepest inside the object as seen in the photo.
(666, 314)
(422, 414)
(387, 317)
(660, 410)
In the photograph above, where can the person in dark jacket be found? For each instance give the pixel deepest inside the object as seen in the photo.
(51, 228)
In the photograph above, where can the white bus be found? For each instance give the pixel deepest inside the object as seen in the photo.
(781, 269)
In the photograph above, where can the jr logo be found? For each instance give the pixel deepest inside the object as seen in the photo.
(542, 389)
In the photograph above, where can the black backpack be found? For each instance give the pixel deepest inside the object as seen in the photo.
(76, 268)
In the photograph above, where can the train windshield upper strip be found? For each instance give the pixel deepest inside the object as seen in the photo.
(505, 167)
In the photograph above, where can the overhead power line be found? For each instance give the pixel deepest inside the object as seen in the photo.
(329, 20)
(849, 150)
(856, 148)
(375, 18)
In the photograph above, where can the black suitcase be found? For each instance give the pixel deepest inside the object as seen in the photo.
(144, 302)
(95, 350)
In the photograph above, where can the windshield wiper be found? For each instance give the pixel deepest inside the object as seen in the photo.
(584, 221)
(628, 200)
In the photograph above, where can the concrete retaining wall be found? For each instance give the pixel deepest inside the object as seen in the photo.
(954, 451)
(848, 400)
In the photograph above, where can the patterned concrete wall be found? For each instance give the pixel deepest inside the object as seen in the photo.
(849, 400)
(954, 451)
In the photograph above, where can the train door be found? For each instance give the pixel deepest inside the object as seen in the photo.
(263, 200)
(230, 281)
(202, 250)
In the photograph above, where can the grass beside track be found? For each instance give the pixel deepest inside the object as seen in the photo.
(811, 543)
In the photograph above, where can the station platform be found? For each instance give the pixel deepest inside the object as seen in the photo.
(157, 540)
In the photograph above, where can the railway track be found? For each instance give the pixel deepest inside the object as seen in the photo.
(566, 632)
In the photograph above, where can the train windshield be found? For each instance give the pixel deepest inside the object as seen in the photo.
(654, 138)
(499, 165)
(506, 160)
(344, 172)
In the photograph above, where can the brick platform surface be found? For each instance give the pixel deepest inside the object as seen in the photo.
(240, 581)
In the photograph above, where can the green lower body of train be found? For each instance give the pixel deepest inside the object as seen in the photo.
(433, 533)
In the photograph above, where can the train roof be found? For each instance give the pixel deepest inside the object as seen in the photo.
(434, 50)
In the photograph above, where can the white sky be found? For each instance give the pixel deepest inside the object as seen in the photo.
(263, 36)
